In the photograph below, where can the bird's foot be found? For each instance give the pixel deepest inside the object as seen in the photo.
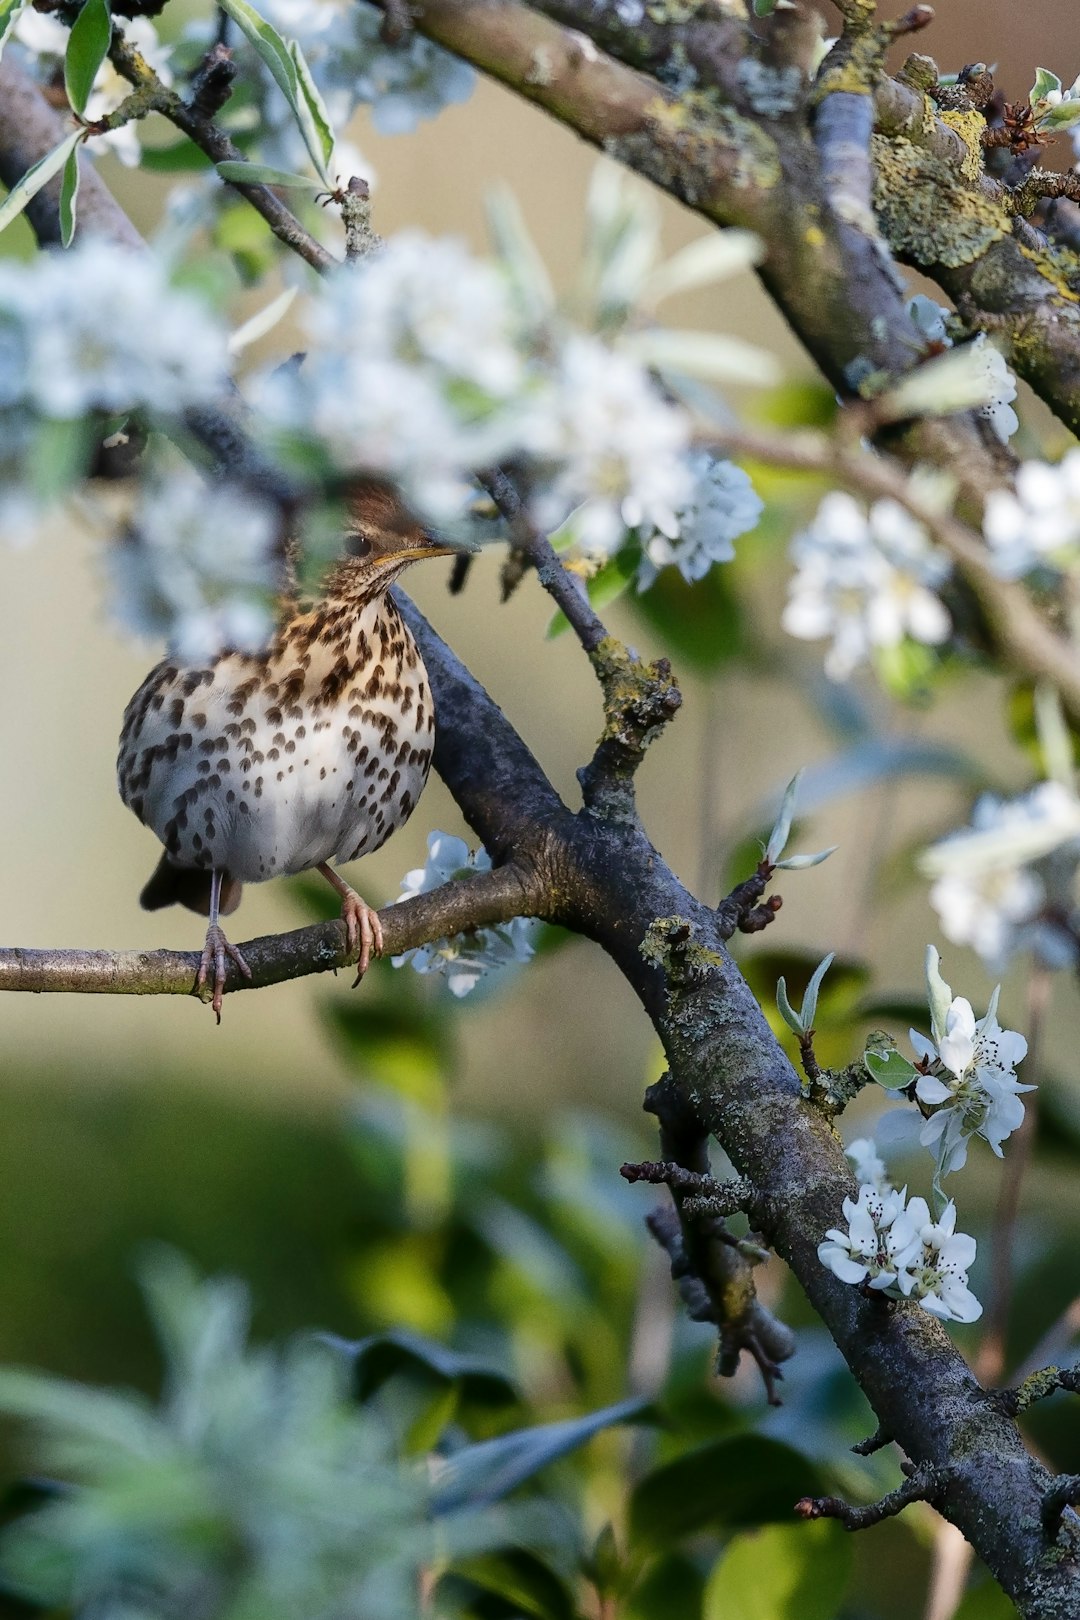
(214, 952)
(363, 931)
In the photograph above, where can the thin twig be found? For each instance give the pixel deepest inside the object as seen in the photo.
(924, 1485)
(1065, 1492)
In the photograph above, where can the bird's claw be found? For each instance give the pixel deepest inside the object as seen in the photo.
(214, 952)
(363, 932)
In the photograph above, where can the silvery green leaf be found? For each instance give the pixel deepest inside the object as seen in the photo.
(764, 8)
(69, 196)
(782, 828)
(702, 354)
(262, 322)
(87, 45)
(1053, 734)
(939, 994)
(809, 1006)
(710, 258)
(269, 44)
(787, 1011)
(1046, 83)
(36, 178)
(313, 118)
(889, 1069)
(260, 174)
(10, 12)
(799, 863)
(518, 252)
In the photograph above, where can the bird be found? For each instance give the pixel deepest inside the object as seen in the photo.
(255, 765)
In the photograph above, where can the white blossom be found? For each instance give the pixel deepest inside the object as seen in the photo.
(465, 958)
(994, 382)
(101, 329)
(969, 1081)
(1040, 523)
(935, 1262)
(868, 1165)
(44, 39)
(895, 1248)
(723, 504)
(1005, 883)
(617, 448)
(198, 568)
(865, 580)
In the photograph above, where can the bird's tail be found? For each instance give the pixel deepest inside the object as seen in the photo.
(186, 886)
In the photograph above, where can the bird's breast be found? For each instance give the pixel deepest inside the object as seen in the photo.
(318, 751)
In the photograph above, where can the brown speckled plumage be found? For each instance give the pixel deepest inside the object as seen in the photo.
(315, 750)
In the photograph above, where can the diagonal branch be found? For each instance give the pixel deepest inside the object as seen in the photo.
(479, 902)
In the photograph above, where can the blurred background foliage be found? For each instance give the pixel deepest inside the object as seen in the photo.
(444, 1175)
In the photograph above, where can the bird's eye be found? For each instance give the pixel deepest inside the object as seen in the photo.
(359, 545)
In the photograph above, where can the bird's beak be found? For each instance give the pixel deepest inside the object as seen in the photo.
(431, 545)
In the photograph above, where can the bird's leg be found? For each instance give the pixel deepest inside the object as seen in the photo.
(363, 930)
(216, 949)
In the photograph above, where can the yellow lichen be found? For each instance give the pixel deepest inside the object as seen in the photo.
(970, 126)
(927, 212)
(1058, 266)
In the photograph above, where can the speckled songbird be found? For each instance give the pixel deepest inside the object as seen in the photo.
(315, 750)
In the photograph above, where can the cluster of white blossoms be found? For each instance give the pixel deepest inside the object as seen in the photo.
(423, 368)
(967, 1076)
(893, 1246)
(41, 40)
(1006, 883)
(1039, 524)
(865, 580)
(466, 958)
(351, 65)
(199, 568)
(723, 504)
(965, 1085)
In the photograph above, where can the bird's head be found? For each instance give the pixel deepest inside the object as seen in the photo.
(383, 537)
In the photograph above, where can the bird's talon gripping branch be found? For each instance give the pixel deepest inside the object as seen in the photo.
(214, 951)
(363, 930)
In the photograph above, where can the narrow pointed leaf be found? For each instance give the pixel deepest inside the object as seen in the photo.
(69, 195)
(939, 994)
(526, 269)
(10, 12)
(710, 258)
(490, 1470)
(782, 829)
(799, 863)
(38, 177)
(703, 354)
(787, 1011)
(889, 1069)
(260, 174)
(269, 45)
(1053, 735)
(809, 1006)
(87, 45)
(313, 118)
(265, 321)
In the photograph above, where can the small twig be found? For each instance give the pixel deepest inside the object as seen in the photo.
(217, 145)
(724, 1197)
(360, 237)
(741, 910)
(211, 85)
(1038, 1386)
(873, 1442)
(567, 591)
(925, 1485)
(1065, 1492)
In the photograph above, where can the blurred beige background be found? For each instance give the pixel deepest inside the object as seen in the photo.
(74, 859)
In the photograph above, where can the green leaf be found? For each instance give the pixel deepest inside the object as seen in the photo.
(1045, 83)
(260, 174)
(701, 624)
(60, 453)
(889, 1069)
(10, 12)
(787, 1572)
(745, 1480)
(764, 8)
(939, 994)
(269, 45)
(809, 1006)
(781, 831)
(483, 1473)
(524, 1580)
(313, 117)
(787, 1011)
(380, 1357)
(35, 179)
(87, 46)
(69, 194)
